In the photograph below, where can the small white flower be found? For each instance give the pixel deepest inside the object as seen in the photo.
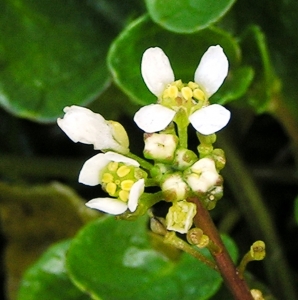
(84, 126)
(209, 75)
(91, 174)
(180, 216)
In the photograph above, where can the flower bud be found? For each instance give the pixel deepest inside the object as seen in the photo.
(160, 147)
(174, 187)
(159, 170)
(184, 158)
(218, 155)
(257, 250)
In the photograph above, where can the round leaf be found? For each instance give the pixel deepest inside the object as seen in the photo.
(184, 52)
(187, 16)
(113, 260)
(52, 54)
(47, 278)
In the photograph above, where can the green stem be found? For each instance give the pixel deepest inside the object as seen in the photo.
(144, 163)
(258, 218)
(172, 239)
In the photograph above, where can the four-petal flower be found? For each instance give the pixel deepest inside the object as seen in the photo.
(209, 76)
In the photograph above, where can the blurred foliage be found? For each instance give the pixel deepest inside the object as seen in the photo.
(58, 53)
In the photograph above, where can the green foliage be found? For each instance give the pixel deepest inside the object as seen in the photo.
(113, 259)
(187, 16)
(47, 278)
(52, 54)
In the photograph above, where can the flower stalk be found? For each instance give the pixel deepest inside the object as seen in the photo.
(230, 274)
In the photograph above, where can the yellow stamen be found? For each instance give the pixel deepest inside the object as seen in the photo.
(113, 166)
(111, 188)
(126, 185)
(107, 177)
(199, 94)
(123, 171)
(193, 85)
(172, 91)
(186, 92)
(123, 195)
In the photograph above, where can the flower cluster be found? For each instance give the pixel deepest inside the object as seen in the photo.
(179, 172)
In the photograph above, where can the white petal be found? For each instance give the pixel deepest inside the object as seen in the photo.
(212, 70)
(156, 70)
(108, 205)
(135, 192)
(154, 117)
(90, 172)
(84, 126)
(112, 156)
(210, 119)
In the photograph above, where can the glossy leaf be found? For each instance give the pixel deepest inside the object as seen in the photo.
(113, 259)
(187, 16)
(184, 52)
(47, 278)
(52, 54)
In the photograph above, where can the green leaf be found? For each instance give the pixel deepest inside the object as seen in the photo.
(47, 278)
(187, 16)
(113, 260)
(184, 52)
(265, 83)
(52, 54)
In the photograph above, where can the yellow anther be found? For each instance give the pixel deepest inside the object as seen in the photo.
(107, 177)
(199, 94)
(123, 171)
(178, 84)
(172, 91)
(126, 185)
(193, 85)
(111, 188)
(186, 92)
(113, 166)
(123, 195)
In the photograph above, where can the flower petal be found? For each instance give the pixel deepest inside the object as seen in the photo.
(154, 117)
(210, 119)
(212, 70)
(135, 192)
(90, 172)
(82, 125)
(112, 156)
(108, 205)
(156, 70)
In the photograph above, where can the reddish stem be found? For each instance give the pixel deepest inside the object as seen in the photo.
(226, 267)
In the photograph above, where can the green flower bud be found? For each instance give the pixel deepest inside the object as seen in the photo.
(257, 250)
(159, 170)
(184, 158)
(219, 158)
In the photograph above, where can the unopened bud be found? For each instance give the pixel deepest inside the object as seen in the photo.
(184, 158)
(257, 250)
(174, 188)
(219, 158)
(157, 226)
(160, 147)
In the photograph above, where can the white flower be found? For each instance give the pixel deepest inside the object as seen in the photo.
(209, 75)
(84, 126)
(91, 174)
(180, 216)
